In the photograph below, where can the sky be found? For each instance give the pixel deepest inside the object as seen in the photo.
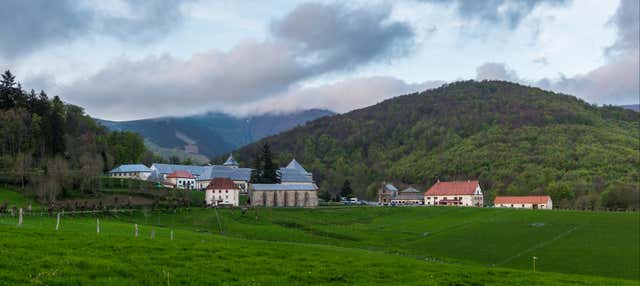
(134, 59)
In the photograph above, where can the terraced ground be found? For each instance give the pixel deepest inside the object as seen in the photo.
(328, 245)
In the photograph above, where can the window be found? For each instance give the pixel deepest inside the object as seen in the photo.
(226, 191)
(523, 205)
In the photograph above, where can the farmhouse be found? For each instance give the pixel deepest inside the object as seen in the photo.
(408, 196)
(387, 193)
(131, 171)
(222, 191)
(181, 180)
(525, 202)
(296, 189)
(457, 193)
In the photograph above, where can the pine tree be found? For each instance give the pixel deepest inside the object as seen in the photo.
(269, 168)
(346, 190)
(8, 79)
(256, 171)
(56, 127)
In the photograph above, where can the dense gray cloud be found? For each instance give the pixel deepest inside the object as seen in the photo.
(615, 82)
(341, 96)
(506, 12)
(250, 71)
(495, 71)
(338, 36)
(26, 26)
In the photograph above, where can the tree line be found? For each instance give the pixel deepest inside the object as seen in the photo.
(52, 149)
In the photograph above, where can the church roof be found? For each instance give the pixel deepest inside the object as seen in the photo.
(230, 161)
(296, 166)
(295, 173)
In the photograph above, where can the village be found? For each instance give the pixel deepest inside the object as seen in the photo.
(224, 184)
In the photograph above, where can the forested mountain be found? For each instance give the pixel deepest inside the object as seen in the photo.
(49, 147)
(213, 134)
(515, 139)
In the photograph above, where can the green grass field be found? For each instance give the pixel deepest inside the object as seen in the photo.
(329, 245)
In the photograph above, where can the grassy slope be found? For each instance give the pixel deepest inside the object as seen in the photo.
(37, 254)
(590, 243)
(13, 198)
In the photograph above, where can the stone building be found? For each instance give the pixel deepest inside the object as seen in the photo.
(387, 193)
(284, 195)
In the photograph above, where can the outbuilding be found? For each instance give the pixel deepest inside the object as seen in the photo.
(523, 202)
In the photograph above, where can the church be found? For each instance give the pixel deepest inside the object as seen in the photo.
(296, 189)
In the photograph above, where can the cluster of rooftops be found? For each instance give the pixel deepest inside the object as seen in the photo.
(292, 173)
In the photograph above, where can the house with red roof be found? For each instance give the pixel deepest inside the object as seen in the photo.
(180, 179)
(523, 202)
(456, 193)
(222, 191)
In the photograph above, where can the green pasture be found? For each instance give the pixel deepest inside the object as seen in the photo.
(76, 254)
(590, 243)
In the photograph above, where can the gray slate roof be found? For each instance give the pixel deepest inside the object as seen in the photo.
(391, 187)
(202, 172)
(410, 190)
(128, 168)
(216, 171)
(230, 161)
(295, 173)
(284, 187)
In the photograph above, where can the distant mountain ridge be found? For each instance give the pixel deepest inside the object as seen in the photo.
(634, 107)
(213, 134)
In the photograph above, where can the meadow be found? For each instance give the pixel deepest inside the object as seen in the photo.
(327, 245)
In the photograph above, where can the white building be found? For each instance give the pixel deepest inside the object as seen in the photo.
(458, 193)
(131, 171)
(523, 202)
(181, 180)
(222, 191)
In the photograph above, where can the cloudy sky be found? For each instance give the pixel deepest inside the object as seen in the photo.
(134, 59)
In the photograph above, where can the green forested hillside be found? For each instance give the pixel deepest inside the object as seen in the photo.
(515, 139)
(50, 149)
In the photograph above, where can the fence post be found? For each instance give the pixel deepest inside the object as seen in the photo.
(136, 227)
(58, 222)
(20, 217)
(98, 226)
(172, 234)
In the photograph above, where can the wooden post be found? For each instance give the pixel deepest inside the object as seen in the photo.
(172, 234)
(20, 217)
(98, 226)
(534, 263)
(58, 222)
(136, 229)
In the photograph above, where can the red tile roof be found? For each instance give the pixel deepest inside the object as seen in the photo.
(181, 174)
(521, 200)
(452, 188)
(222, 183)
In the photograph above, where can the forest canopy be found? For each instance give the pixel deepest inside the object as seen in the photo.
(52, 148)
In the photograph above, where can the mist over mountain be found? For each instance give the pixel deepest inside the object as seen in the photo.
(213, 133)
